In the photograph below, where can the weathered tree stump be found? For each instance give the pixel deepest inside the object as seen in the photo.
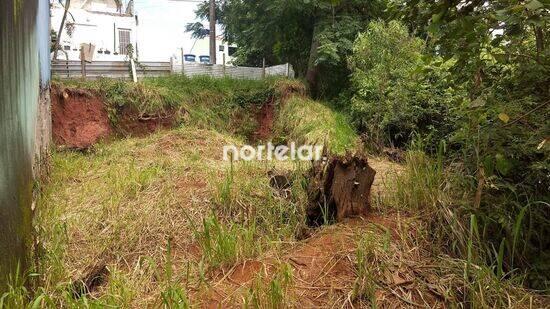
(339, 188)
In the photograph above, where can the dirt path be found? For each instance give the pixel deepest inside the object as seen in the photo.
(324, 270)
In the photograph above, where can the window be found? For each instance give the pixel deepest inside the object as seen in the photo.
(221, 48)
(231, 51)
(123, 41)
(204, 59)
(189, 58)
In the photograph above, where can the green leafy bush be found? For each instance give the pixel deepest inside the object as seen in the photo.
(395, 93)
(489, 101)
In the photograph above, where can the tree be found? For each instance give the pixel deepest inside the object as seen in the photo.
(395, 94)
(499, 54)
(61, 26)
(315, 36)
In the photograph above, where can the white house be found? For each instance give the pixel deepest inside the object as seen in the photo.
(200, 51)
(162, 33)
(110, 25)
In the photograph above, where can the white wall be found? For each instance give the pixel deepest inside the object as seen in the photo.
(162, 31)
(202, 48)
(96, 5)
(98, 29)
(159, 34)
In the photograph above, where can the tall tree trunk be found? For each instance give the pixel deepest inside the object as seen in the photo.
(213, 31)
(539, 38)
(312, 69)
(58, 41)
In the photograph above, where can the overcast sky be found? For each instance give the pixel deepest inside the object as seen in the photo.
(161, 28)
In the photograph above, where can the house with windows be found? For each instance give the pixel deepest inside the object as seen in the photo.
(199, 52)
(111, 26)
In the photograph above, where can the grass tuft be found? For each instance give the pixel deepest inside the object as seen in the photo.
(305, 121)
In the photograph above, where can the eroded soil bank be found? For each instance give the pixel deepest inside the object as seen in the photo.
(81, 118)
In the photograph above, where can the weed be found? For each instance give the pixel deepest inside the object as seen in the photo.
(368, 267)
(219, 245)
(245, 196)
(175, 297)
(271, 293)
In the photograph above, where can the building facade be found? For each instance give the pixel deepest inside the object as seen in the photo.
(110, 25)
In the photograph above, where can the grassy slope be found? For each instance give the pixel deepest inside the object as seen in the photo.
(176, 225)
(305, 121)
(201, 101)
(126, 201)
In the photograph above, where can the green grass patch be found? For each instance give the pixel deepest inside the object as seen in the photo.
(223, 104)
(305, 121)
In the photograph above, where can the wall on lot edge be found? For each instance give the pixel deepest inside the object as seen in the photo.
(24, 122)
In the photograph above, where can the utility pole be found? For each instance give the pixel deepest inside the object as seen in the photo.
(213, 31)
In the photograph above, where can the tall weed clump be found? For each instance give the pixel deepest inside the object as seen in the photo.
(456, 234)
(245, 197)
(427, 188)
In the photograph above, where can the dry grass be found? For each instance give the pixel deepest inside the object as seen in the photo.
(127, 201)
(123, 203)
(179, 227)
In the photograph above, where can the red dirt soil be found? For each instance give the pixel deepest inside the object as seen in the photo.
(133, 124)
(79, 118)
(265, 115)
(324, 271)
(265, 118)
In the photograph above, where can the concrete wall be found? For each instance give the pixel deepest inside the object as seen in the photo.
(24, 107)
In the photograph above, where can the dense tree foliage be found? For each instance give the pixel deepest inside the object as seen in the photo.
(472, 75)
(481, 84)
(315, 36)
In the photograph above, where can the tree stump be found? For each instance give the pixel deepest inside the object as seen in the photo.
(339, 188)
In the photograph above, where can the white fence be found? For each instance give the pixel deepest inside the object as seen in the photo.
(113, 69)
(218, 70)
(121, 69)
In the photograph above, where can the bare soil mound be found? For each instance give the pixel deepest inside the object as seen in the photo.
(79, 118)
(325, 273)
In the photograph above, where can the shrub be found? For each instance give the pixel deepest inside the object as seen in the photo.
(395, 93)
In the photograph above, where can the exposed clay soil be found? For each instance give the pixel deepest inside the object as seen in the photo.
(324, 272)
(131, 123)
(265, 115)
(265, 118)
(79, 118)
